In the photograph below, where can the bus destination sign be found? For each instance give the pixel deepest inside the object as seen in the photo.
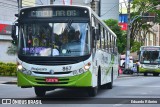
(48, 13)
(151, 48)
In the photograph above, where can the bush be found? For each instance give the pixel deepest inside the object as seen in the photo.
(8, 69)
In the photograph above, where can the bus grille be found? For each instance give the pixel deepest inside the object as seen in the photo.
(36, 72)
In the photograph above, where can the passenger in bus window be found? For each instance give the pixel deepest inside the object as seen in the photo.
(71, 34)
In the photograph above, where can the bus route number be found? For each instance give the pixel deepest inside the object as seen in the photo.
(67, 68)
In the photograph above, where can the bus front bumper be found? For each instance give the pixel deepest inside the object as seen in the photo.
(146, 70)
(82, 80)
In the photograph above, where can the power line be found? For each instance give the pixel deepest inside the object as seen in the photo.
(41, 2)
(109, 9)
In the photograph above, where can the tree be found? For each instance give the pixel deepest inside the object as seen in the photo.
(121, 35)
(143, 7)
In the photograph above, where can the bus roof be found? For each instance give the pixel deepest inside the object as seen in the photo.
(150, 48)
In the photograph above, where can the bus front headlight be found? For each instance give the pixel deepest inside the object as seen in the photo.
(20, 67)
(87, 66)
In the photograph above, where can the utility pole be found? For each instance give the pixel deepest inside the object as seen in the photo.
(128, 38)
(51, 1)
(95, 5)
(19, 5)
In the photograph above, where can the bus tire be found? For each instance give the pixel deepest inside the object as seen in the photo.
(39, 91)
(93, 91)
(145, 74)
(155, 74)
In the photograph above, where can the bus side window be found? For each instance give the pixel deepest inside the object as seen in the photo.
(99, 38)
(104, 36)
(107, 41)
(93, 31)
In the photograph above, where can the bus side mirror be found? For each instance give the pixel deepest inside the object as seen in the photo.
(138, 52)
(13, 34)
(16, 15)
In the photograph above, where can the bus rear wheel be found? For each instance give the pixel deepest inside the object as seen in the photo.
(39, 91)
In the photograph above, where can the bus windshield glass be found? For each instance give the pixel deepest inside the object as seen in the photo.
(150, 57)
(55, 39)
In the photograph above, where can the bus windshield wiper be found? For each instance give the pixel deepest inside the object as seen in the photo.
(68, 24)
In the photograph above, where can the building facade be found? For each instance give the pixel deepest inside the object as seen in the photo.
(8, 9)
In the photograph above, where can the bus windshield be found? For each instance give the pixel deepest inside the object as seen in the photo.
(54, 39)
(150, 57)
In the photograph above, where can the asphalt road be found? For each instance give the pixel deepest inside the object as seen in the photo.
(126, 88)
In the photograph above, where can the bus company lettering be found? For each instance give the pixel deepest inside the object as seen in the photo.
(38, 69)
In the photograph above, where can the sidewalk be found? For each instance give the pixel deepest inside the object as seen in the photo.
(129, 75)
(8, 80)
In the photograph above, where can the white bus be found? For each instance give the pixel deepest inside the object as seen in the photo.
(149, 59)
(64, 46)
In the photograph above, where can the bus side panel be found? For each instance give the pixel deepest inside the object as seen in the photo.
(105, 62)
(115, 67)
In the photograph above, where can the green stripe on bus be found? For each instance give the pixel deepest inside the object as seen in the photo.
(110, 65)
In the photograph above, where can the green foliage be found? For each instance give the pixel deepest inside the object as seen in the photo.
(139, 24)
(136, 46)
(121, 35)
(8, 69)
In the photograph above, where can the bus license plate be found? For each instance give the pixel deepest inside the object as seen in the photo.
(52, 80)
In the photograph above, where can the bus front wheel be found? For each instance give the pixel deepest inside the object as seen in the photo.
(39, 91)
(92, 91)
